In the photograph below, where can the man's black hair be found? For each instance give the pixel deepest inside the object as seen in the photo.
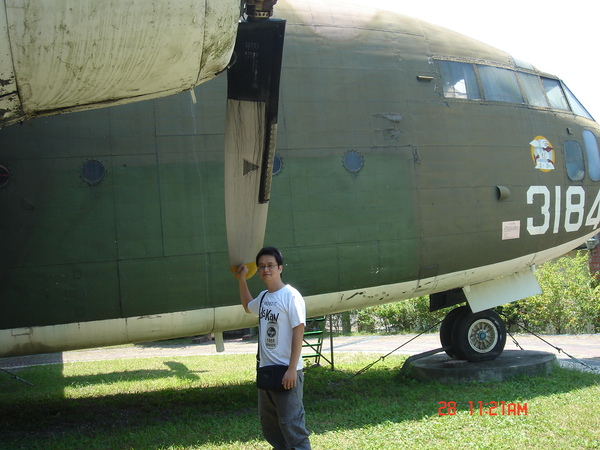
(272, 251)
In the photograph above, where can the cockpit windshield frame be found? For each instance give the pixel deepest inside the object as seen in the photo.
(477, 81)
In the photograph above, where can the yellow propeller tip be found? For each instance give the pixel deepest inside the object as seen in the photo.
(252, 269)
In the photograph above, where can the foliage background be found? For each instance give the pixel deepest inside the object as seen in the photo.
(569, 303)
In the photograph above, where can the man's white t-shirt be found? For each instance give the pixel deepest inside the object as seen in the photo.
(281, 311)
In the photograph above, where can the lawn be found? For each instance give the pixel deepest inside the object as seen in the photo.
(209, 402)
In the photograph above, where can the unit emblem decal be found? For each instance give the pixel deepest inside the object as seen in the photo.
(543, 154)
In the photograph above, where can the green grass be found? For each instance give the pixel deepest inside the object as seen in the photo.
(209, 402)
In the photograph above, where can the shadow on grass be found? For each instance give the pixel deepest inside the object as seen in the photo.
(217, 415)
(181, 416)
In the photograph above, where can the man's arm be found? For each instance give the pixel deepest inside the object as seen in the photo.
(290, 377)
(245, 295)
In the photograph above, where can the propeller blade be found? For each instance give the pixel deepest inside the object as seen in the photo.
(250, 135)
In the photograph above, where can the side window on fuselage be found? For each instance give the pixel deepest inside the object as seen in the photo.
(574, 161)
(593, 157)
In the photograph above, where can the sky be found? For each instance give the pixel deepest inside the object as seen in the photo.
(558, 37)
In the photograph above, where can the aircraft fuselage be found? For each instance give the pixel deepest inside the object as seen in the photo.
(392, 180)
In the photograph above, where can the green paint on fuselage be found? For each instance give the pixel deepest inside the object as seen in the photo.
(150, 238)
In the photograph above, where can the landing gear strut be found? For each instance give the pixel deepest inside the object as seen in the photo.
(473, 336)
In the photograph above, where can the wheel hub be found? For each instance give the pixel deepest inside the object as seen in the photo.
(482, 336)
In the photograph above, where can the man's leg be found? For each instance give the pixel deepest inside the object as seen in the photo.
(291, 415)
(269, 420)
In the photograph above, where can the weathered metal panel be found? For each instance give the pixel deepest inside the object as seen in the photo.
(7, 75)
(9, 101)
(73, 54)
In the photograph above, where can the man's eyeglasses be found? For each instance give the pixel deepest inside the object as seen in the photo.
(262, 267)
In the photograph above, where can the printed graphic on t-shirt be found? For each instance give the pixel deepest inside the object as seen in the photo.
(272, 335)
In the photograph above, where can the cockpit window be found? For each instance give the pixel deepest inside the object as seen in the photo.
(555, 94)
(469, 81)
(459, 80)
(575, 105)
(533, 89)
(500, 85)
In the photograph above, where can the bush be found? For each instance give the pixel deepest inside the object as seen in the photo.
(404, 316)
(569, 302)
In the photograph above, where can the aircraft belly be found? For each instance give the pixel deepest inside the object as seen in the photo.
(102, 333)
(45, 339)
(371, 296)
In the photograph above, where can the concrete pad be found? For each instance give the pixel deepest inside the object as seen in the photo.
(509, 364)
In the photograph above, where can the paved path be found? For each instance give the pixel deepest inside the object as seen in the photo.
(584, 346)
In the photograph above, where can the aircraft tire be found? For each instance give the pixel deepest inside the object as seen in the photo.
(478, 337)
(447, 325)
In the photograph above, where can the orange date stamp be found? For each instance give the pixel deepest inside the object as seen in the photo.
(480, 408)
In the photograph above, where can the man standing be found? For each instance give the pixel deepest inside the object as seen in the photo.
(282, 318)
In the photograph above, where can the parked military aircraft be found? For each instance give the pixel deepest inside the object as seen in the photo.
(410, 160)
